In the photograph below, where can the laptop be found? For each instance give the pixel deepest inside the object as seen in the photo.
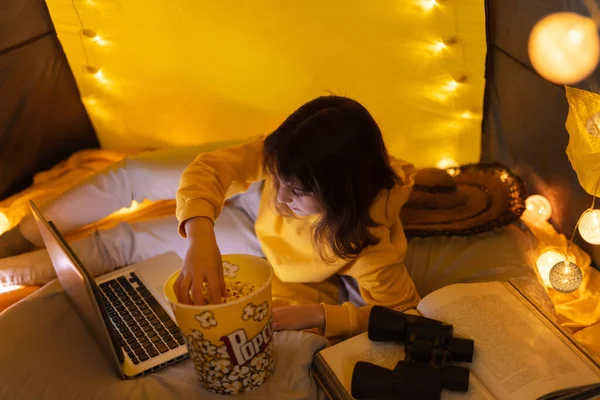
(124, 310)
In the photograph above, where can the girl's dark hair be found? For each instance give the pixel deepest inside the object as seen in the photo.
(333, 147)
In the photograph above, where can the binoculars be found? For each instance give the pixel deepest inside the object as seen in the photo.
(429, 347)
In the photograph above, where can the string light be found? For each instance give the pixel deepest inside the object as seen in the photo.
(100, 41)
(88, 33)
(447, 162)
(453, 84)
(438, 46)
(537, 210)
(93, 36)
(546, 261)
(564, 47)
(589, 226)
(565, 277)
(426, 5)
(97, 73)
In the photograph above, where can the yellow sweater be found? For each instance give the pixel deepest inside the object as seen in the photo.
(287, 242)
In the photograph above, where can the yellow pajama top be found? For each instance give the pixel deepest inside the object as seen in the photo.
(287, 242)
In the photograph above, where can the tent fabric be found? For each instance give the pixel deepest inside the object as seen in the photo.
(181, 73)
(42, 119)
(21, 21)
(525, 117)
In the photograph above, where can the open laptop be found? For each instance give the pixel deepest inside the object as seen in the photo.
(124, 310)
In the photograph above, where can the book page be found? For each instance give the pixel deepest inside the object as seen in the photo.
(342, 357)
(516, 354)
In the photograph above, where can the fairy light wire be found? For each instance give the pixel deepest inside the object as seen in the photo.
(87, 58)
(594, 10)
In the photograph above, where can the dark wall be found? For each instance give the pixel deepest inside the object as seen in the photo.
(524, 123)
(42, 119)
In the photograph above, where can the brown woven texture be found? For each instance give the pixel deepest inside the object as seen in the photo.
(466, 200)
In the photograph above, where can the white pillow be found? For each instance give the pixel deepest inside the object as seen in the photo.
(507, 253)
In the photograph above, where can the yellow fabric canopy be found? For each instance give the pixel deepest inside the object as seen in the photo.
(159, 73)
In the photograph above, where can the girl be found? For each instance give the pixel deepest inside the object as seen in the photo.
(328, 220)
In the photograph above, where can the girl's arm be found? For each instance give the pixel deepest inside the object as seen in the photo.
(203, 188)
(387, 285)
(212, 177)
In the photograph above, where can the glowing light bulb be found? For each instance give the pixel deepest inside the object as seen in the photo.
(564, 47)
(99, 41)
(4, 223)
(438, 46)
(97, 73)
(426, 5)
(545, 262)
(565, 277)
(451, 86)
(447, 162)
(537, 210)
(589, 226)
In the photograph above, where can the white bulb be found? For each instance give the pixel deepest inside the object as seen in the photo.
(589, 226)
(545, 262)
(564, 47)
(537, 209)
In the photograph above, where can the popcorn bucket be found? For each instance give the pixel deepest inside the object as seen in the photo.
(230, 343)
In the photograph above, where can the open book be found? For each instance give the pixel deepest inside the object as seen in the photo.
(520, 353)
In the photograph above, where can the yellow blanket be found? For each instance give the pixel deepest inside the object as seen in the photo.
(579, 311)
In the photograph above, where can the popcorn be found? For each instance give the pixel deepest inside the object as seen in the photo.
(230, 270)
(235, 291)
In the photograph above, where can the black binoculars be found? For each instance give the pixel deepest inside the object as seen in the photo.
(429, 347)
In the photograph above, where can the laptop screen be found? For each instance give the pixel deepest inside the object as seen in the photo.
(81, 289)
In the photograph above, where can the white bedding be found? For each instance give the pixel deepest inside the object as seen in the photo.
(46, 353)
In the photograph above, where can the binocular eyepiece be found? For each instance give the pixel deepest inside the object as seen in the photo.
(429, 346)
(428, 336)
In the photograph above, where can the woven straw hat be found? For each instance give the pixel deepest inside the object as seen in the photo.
(467, 200)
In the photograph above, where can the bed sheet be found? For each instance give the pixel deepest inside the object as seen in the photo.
(48, 354)
(432, 262)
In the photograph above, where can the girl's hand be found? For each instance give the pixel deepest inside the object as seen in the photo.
(202, 263)
(299, 317)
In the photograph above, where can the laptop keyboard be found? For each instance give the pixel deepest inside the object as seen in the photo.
(145, 329)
